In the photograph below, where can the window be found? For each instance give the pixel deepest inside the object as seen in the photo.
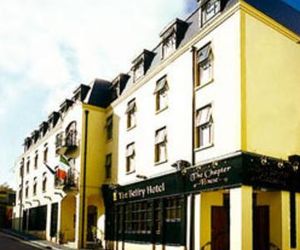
(169, 45)
(20, 193)
(205, 65)
(44, 184)
(108, 165)
(26, 189)
(34, 185)
(109, 128)
(161, 145)
(27, 165)
(204, 127)
(161, 94)
(210, 9)
(138, 70)
(173, 208)
(21, 170)
(130, 158)
(131, 114)
(71, 133)
(46, 152)
(36, 158)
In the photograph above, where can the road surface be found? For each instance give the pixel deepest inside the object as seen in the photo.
(10, 243)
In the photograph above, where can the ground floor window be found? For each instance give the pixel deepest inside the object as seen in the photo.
(156, 221)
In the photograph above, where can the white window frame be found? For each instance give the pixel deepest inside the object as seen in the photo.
(169, 45)
(161, 155)
(204, 127)
(131, 114)
(205, 65)
(210, 10)
(130, 158)
(161, 94)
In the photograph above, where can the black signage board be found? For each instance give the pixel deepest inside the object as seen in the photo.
(215, 175)
(243, 169)
(157, 187)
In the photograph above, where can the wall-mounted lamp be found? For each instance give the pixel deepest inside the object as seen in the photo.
(180, 165)
(139, 176)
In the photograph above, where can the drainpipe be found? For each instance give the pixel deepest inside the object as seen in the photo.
(192, 200)
(84, 179)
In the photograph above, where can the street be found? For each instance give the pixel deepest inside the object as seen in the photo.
(10, 243)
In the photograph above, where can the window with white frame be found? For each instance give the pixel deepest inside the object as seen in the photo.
(26, 189)
(34, 189)
(36, 158)
(130, 158)
(169, 45)
(205, 65)
(161, 145)
(109, 127)
(131, 114)
(46, 152)
(108, 165)
(44, 186)
(161, 94)
(210, 9)
(204, 127)
(138, 70)
(27, 165)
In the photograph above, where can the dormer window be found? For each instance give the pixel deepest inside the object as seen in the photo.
(171, 36)
(169, 45)
(209, 9)
(53, 119)
(138, 70)
(43, 128)
(118, 85)
(80, 93)
(141, 64)
(64, 107)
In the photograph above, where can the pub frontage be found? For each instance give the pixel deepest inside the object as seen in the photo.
(236, 202)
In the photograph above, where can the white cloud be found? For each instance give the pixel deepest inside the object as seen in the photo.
(53, 45)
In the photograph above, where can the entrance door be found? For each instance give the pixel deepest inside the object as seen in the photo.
(54, 217)
(261, 228)
(91, 223)
(219, 228)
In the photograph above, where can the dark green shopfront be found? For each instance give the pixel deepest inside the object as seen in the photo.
(161, 211)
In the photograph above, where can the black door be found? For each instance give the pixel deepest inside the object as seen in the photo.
(261, 228)
(219, 228)
(54, 215)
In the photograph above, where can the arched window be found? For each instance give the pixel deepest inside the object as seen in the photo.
(44, 182)
(34, 185)
(71, 133)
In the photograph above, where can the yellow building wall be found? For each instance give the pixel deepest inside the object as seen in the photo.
(95, 161)
(270, 87)
(208, 199)
(67, 226)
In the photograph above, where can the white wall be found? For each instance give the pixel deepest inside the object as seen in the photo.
(224, 93)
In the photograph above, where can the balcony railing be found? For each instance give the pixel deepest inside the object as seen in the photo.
(66, 142)
(66, 180)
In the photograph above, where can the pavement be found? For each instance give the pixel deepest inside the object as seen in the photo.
(29, 240)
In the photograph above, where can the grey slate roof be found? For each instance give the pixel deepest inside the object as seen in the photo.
(280, 12)
(100, 93)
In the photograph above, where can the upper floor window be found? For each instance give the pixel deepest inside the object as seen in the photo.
(130, 158)
(161, 94)
(45, 152)
(36, 158)
(44, 184)
(108, 165)
(26, 189)
(161, 145)
(28, 165)
(138, 70)
(20, 192)
(21, 173)
(109, 127)
(204, 127)
(210, 9)
(131, 114)
(169, 45)
(71, 133)
(34, 185)
(205, 65)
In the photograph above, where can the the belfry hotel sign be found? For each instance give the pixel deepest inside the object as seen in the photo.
(242, 169)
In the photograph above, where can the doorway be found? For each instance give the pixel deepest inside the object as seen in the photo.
(219, 228)
(261, 228)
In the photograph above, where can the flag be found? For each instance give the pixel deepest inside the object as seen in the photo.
(62, 171)
(52, 171)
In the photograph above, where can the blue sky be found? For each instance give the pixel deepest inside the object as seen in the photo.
(48, 47)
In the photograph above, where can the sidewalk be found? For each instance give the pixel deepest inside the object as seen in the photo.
(33, 241)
